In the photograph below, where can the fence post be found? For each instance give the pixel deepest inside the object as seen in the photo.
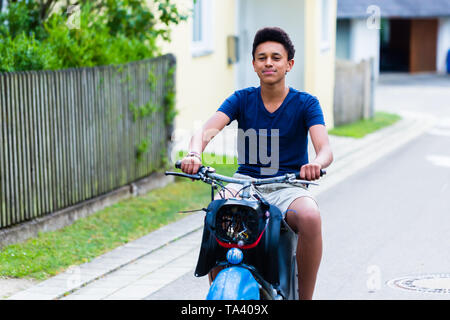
(170, 126)
(354, 91)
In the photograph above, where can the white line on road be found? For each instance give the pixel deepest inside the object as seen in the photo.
(440, 161)
(443, 123)
(440, 132)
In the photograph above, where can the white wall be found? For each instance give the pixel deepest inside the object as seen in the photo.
(443, 44)
(256, 14)
(364, 43)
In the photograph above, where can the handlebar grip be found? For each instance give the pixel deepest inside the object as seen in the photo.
(178, 166)
(322, 172)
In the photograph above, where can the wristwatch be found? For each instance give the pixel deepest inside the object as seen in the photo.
(195, 154)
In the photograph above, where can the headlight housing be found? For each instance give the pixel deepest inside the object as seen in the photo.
(238, 225)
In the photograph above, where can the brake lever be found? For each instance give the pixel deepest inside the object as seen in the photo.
(294, 178)
(184, 175)
(295, 181)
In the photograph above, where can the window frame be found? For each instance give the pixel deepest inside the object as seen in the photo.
(325, 31)
(205, 45)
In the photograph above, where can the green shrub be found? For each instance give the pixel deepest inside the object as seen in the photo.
(25, 53)
(110, 32)
(21, 17)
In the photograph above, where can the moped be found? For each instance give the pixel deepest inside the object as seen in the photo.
(248, 239)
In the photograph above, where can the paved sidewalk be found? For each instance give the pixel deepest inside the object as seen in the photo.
(140, 268)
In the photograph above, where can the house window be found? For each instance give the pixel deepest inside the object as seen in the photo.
(202, 28)
(326, 25)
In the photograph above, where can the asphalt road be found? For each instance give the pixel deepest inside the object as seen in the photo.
(388, 221)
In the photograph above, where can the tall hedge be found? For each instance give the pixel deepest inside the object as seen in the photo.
(35, 36)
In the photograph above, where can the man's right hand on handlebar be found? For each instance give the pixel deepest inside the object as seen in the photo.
(191, 163)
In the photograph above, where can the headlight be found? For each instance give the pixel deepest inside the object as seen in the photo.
(238, 224)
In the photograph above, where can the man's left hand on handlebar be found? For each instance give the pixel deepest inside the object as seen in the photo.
(191, 164)
(310, 171)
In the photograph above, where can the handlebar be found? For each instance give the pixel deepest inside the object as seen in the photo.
(297, 175)
(207, 173)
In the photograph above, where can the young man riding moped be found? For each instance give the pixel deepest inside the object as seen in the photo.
(284, 116)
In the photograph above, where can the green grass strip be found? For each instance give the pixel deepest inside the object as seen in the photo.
(53, 252)
(360, 129)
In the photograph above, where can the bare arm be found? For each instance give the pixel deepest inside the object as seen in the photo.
(199, 141)
(324, 155)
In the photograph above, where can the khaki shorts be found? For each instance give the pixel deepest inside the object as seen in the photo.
(280, 195)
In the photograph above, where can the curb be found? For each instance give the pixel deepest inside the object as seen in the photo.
(353, 155)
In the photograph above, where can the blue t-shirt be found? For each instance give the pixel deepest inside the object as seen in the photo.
(272, 144)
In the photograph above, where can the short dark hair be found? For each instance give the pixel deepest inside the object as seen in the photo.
(273, 34)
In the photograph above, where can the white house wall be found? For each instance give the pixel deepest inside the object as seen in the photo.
(364, 43)
(443, 44)
(256, 14)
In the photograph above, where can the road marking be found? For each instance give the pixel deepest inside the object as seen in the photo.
(443, 122)
(440, 132)
(440, 161)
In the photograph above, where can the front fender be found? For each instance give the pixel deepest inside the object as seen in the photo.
(234, 283)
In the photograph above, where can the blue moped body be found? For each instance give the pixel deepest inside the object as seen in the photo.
(234, 283)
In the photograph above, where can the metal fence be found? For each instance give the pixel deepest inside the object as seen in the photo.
(71, 135)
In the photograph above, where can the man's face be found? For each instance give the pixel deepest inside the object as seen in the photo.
(271, 62)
